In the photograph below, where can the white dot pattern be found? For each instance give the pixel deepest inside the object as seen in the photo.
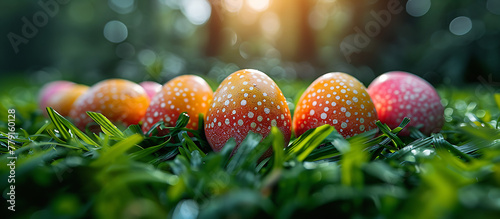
(341, 105)
(255, 104)
(399, 94)
(186, 93)
(119, 100)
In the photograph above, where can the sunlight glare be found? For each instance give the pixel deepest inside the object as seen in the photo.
(270, 23)
(258, 5)
(197, 11)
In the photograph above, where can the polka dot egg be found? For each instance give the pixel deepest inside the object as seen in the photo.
(247, 100)
(337, 99)
(119, 100)
(400, 94)
(186, 93)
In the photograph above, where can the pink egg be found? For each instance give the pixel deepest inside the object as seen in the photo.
(151, 88)
(50, 89)
(400, 94)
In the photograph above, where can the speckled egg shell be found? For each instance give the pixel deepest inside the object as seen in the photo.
(400, 94)
(337, 99)
(186, 93)
(119, 100)
(247, 100)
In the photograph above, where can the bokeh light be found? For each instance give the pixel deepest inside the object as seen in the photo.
(115, 31)
(197, 11)
(270, 24)
(258, 5)
(460, 25)
(147, 57)
(493, 6)
(233, 5)
(122, 6)
(418, 8)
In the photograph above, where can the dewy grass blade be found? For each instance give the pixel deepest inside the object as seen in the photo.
(440, 143)
(53, 135)
(182, 121)
(54, 117)
(63, 122)
(424, 142)
(106, 125)
(40, 130)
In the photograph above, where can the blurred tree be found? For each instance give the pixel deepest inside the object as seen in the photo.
(298, 37)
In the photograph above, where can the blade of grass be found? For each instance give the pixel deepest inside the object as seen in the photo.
(440, 143)
(118, 149)
(55, 118)
(106, 125)
(145, 152)
(278, 148)
(191, 146)
(63, 122)
(387, 131)
(302, 147)
(244, 149)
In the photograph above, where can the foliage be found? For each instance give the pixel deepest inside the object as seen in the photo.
(123, 173)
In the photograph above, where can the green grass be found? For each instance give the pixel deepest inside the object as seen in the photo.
(62, 172)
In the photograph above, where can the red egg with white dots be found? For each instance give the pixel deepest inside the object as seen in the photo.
(247, 100)
(121, 101)
(400, 94)
(339, 100)
(186, 93)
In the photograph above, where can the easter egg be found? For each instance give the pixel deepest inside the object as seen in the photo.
(119, 100)
(186, 93)
(400, 94)
(62, 101)
(247, 100)
(339, 100)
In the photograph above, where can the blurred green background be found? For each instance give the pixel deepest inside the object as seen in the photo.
(447, 41)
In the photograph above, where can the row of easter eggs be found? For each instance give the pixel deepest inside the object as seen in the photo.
(248, 100)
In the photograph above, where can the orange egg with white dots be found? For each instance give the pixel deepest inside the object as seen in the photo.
(247, 100)
(186, 93)
(62, 101)
(121, 101)
(337, 99)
